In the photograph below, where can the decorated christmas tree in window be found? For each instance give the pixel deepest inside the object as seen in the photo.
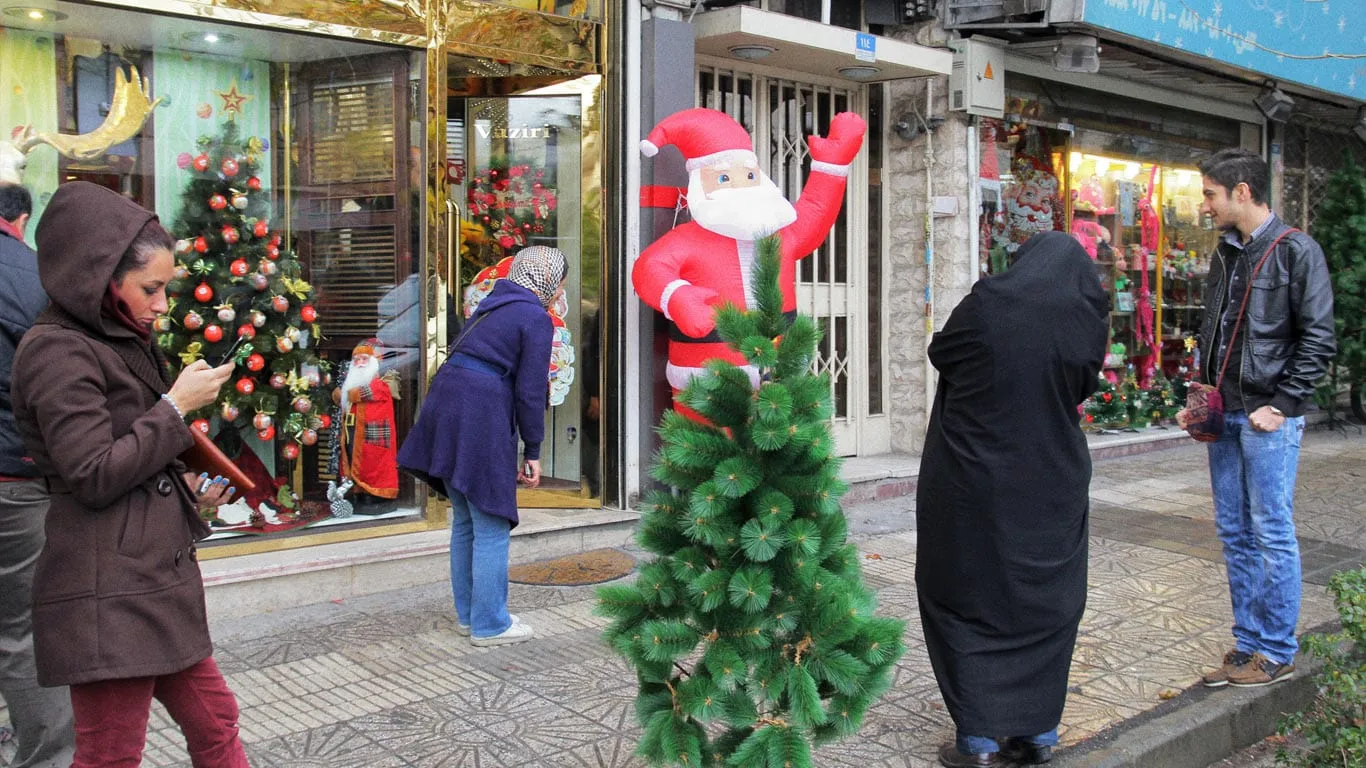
(752, 631)
(238, 291)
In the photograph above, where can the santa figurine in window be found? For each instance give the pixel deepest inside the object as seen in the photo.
(704, 263)
(368, 453)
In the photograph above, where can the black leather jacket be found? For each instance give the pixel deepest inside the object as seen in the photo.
(21, 299)
(1287, 334)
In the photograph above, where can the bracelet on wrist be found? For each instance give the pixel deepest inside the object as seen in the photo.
(174, 405)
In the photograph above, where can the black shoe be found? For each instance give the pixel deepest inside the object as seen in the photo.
(1018, 750)
(950, 757)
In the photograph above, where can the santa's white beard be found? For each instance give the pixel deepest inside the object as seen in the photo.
(744, 213)
(357, 376)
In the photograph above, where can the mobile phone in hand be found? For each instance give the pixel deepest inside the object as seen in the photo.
(231, 351)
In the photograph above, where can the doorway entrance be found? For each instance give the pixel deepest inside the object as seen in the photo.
(522, 170)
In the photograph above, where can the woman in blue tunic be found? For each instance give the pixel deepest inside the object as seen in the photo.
(464, 445)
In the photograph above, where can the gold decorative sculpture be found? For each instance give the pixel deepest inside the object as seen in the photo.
(128, 111)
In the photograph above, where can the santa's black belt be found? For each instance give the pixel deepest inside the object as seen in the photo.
(471, 363)
(676, 334)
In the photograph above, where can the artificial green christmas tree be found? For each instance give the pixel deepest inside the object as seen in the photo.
(752, 631)
(1135, 400)
(234, 282)
(1162, 403)
(1104, 409)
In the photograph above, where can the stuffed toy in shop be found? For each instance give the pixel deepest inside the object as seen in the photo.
(707, 262)
(1088, 202)
(1031, 202)
(368, 446)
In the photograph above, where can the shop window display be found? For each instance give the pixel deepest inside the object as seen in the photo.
(289, 171)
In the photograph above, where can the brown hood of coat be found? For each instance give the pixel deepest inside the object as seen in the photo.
(83, 233)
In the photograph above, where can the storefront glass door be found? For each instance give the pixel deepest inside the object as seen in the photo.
(521, 170)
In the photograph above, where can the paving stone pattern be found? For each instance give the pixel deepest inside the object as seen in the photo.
(386, 681)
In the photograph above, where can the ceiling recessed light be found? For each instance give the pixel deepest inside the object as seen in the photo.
(751, 52)
(859, 73)
(34, 14)
(212, 38)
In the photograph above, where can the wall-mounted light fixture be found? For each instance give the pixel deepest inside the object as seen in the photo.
(34, 14)
(1274, 104)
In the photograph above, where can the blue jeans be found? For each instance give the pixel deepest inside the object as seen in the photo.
(479, 568)
(976, 745)
(1253, 478)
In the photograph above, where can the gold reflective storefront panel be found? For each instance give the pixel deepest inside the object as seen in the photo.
(506, 34)
(397, 22)
(290, 169)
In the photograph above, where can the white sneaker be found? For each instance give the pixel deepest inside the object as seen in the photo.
(464, 629)
(517, 633)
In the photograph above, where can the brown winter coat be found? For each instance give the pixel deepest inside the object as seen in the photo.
(117, 591)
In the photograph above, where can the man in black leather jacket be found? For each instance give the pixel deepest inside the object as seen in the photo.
(41, 716)
(1277, 279)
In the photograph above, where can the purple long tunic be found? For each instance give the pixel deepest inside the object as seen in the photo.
(465, 438)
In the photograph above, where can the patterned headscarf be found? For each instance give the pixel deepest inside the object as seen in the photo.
(540, 268)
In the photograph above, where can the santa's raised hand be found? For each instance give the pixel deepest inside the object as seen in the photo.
(842, 142)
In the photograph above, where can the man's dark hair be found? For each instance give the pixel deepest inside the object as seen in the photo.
(151, 238)
(1230, 167)
(15, 201)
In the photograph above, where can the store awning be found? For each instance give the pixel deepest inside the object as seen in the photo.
(799, 45)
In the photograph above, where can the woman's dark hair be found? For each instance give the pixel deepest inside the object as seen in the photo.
(1230, 167)
(151, 238)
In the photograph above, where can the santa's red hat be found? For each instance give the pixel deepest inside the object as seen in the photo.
(704, 136)
(367, 347)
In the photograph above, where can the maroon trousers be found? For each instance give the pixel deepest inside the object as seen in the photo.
(111, 718)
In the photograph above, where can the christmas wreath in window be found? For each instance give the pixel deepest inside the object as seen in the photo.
(513, 205)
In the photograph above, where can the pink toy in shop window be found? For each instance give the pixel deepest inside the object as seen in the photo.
(1087, 203)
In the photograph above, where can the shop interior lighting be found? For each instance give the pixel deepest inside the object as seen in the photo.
(212, 38)
(1183, 178)
(1360, 127)
(1074, 162)
(752, 52)
(1132, 170)
(1274, 104)
(859, 73)
(34, 14)
(1102, 165)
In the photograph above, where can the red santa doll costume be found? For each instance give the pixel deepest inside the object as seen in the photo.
(707, 262)
(369, 450)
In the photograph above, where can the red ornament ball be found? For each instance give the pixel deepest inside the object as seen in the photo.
(255, 362)
(260, 282)
(254, 184)
(272, 251)
(260, 229)
(162, 324)
(193, 321)
(308, 314)
(266, 435)
(279, 381)
(200, 424)
(217, 202)
(230, 235)
(290, 451)
(1090, 419)
(229, 167)
(201, 244)
(203, 292)
(302, 404)
(246, 331)
(1107, 397)
(245, 386)
(201, 163)
(239, 267)
(261, 421)
(213, 334)
(279, 304)
(309, 437)
(326, 420)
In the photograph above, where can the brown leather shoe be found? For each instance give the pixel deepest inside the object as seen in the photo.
(950, 757)
(1234, 661)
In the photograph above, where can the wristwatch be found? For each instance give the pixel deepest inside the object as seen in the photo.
(1276, 411)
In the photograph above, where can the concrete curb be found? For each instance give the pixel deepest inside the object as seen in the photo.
(1199, 727)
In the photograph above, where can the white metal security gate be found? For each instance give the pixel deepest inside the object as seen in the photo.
(833, 284)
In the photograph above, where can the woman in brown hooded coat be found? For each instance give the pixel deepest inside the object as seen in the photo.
(118, 597)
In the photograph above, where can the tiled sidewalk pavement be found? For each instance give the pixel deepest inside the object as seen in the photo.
(385, 681)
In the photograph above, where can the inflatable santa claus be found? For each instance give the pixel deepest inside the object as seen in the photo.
(707, 262)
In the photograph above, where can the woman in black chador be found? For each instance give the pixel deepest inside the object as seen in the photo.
(1002, 504)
